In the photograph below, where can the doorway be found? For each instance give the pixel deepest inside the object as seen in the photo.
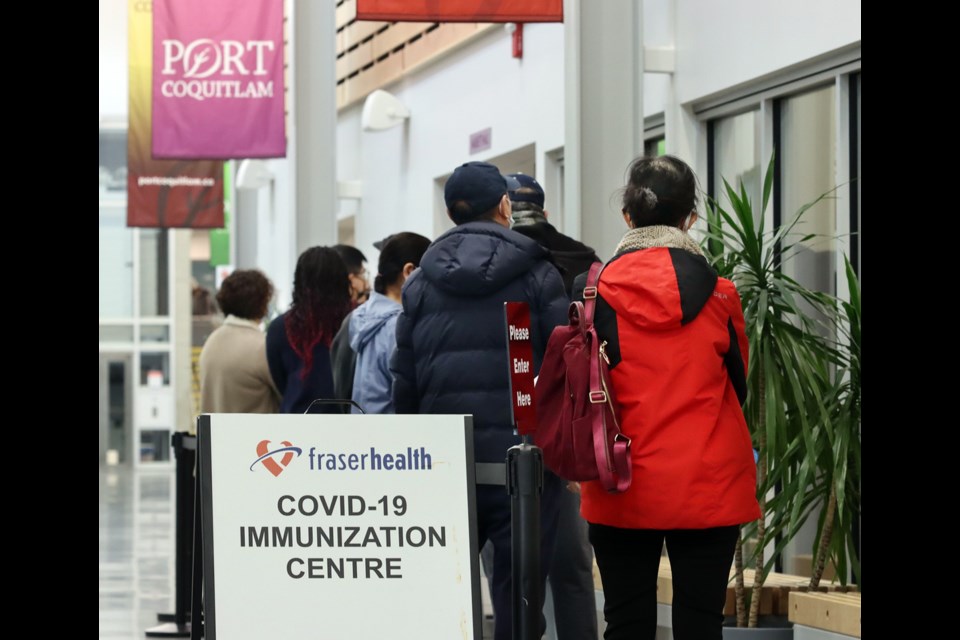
(116, 407)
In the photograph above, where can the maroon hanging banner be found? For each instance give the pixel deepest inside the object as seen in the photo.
(461, 10)
(162, 193)
(520, 362)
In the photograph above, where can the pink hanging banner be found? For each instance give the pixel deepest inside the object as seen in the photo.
(218, 79)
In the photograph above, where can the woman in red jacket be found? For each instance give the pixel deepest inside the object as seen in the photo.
(678, 355)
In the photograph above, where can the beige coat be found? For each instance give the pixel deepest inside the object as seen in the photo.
(234, 377)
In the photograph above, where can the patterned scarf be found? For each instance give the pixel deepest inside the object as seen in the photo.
(658, 235)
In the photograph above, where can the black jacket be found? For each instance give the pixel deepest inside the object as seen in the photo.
(343, 360)
(285, 367)
(451, 353)
(572, 257)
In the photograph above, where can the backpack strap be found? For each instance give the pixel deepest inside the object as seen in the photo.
(621, 462)
(590, 292)
(613, 458)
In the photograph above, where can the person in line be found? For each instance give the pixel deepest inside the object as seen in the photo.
(571, 256)
(571, 572)
(298, 341)
(342, 355)
(357, 266)
(234, 376)
(372, 326)
(678, 355)
(451, 355)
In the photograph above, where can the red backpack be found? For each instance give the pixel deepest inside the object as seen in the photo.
(578, 420)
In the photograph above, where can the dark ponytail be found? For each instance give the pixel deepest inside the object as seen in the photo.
(660, 190)
(400, 249)
(378, 285)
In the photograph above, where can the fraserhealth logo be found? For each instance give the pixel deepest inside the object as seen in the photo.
(266, 456)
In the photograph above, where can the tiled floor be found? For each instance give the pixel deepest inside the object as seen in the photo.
(136, 549)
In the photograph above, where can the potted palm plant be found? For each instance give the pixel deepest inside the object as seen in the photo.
(804, 347)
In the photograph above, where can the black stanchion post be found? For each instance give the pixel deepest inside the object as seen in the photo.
(196, 579)
(525, 483)
(177, 625)
(186, 479)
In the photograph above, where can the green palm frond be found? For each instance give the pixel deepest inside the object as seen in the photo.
(803, 400)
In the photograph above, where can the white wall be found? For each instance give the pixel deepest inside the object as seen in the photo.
(478, 86)
(276, 227)
(723, 44)
(113, 59)
(657, 33)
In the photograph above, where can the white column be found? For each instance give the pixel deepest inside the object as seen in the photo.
(246, 239)
(685, 134)
(604, 115)
(181, 339)
(313, 140)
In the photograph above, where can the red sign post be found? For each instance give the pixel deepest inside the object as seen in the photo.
(520, 363)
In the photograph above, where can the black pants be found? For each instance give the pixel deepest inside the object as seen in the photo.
(571, 574)
(629, 560)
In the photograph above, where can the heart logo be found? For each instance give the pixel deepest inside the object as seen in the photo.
(266, 457)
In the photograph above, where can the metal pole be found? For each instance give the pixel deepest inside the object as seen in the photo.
(525, 483)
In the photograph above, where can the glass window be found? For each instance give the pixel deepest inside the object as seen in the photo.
(155, 369)
(807, 164)
(736, 157)
(117, 410)
(857, 261)
(654, 147)
(113, 164)
(116, 333)
(116, 263)
(155, 333)
(154, 445)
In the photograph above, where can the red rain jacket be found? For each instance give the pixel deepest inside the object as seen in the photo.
(678, 352)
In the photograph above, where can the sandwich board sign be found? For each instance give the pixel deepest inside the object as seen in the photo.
(338, 526)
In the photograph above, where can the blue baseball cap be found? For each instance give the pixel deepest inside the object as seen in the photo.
(479, 184)
(532, 191)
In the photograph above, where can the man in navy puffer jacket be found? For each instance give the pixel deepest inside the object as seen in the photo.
(451, 355)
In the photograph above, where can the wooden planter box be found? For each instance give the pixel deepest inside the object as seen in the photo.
(775, 595)
(783, 597)
(836, 613)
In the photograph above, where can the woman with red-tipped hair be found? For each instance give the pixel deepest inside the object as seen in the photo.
(298, 342)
